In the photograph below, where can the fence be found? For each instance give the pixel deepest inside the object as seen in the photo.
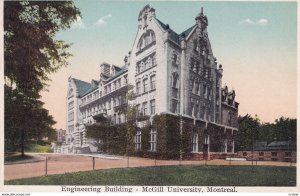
(60, 164)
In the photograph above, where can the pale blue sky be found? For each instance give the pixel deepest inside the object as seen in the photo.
(254, 41)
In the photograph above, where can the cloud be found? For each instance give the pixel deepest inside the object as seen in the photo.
(78, 24)
(103, 20)
(247, 21)
(260, 22)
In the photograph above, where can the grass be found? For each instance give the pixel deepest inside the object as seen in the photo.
(39, 148)
(17, 157)
(174, 175)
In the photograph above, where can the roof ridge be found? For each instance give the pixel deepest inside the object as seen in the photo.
(80, 80)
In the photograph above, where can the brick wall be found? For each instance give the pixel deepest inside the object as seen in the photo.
(283, 156)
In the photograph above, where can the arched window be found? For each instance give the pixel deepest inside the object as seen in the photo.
(146, 39)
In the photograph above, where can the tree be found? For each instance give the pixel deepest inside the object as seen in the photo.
(284, 129)
(31, 53)
(248, 132)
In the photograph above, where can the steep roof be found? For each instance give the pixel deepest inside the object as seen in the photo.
(173, 35)
(86, 88)
(90, 89)
(81, 86)
(118, 73)
(188, 31)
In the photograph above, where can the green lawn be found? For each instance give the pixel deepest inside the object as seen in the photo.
(174, 175)
(16, 157)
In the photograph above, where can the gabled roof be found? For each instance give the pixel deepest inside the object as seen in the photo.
(173, 35)
(81, 86)
(188, 31)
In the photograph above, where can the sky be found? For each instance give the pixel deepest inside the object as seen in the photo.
(254, 41)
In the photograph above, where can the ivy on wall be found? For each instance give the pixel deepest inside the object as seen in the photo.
(119, 139)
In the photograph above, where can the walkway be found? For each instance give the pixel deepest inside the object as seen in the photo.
(66, 163)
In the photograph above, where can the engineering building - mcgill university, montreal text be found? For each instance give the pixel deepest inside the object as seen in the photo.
(177, 84)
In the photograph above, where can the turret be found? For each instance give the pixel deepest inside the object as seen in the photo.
(201, 20)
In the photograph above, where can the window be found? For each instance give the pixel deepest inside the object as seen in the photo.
(71, 128)
(113, 86)
(118, 83)
(71, 116)
(152, 82)
(108, 105)
(174, 105)
(138, 140)
(152, 106)
(108, 89)
(138, 88)
(153, 140)
(174, 58)
(196, 88)
(71, 105)
(149, 62)
(274, 154)
(175, 78)
(138, 68)
(138, 109)
(145, 84)
(288, 154)
(119, 118)
(114, 102)
(125, 80)
(114, 119)
(195, 142)
(154, 60)
(142, 66)
(209, 94)
(144, 108)
(146, 39)
(205, 91)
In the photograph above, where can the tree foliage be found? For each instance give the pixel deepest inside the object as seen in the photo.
(251, 130)
(31, 53)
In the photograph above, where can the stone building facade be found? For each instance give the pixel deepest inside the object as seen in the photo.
(173, 74)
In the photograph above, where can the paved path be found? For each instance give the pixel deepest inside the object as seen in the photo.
(62, 163)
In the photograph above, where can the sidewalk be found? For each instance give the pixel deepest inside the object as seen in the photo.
(66, 163)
